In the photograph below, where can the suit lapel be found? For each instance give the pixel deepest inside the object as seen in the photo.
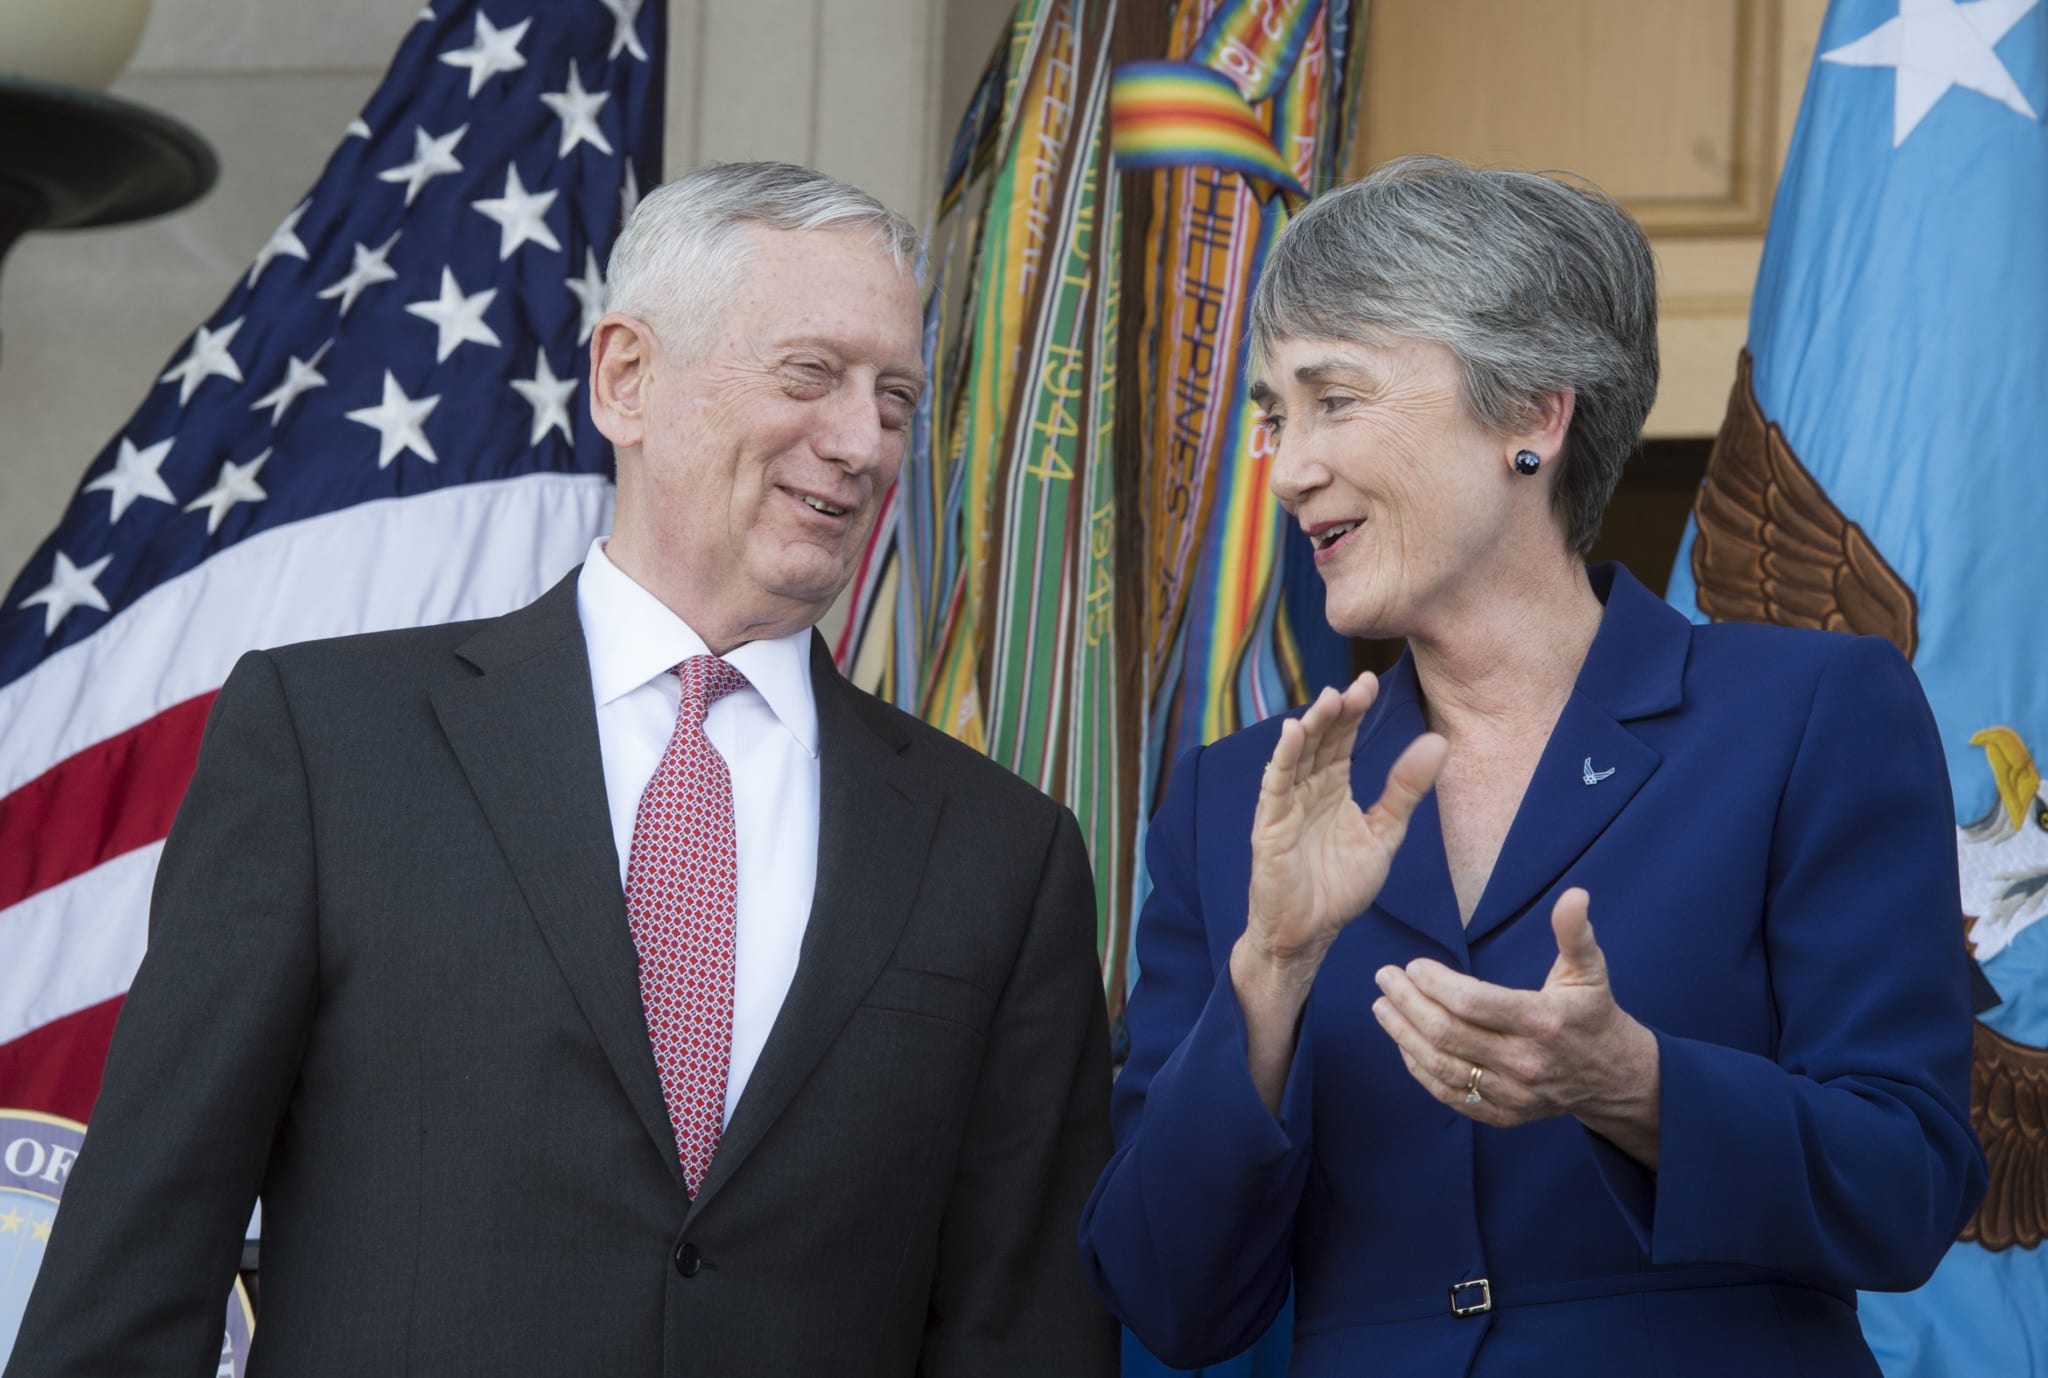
(525, 734)
(1634, 669)
(1561, 815)
(1417, 892)
(875, 825)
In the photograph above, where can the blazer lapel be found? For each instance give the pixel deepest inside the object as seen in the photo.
(525, 734)
(1561, 814)
(1593, 765)
(1417, 892)
(875, 825)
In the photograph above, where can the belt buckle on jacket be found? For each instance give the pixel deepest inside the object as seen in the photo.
(1474, 1298)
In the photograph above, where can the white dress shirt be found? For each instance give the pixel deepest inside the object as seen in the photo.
(768, 735)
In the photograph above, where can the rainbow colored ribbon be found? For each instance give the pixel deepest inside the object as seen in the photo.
(1182, 114)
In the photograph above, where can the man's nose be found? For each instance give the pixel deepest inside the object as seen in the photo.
(850, 431)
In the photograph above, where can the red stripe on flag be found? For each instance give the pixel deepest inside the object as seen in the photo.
(110, 798)
(55, 1069)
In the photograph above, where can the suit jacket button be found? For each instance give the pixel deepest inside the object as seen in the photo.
(688, 1260)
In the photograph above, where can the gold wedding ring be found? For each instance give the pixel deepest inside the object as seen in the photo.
(1472, 1096)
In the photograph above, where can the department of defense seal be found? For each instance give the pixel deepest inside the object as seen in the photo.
(36, 1153)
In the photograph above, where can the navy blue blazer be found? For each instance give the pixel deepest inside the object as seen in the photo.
(1773, 878)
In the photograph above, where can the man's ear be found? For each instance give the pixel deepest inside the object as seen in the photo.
(622, 350)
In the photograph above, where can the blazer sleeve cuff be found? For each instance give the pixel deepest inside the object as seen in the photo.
(1707, 1145)
(1204, 1095)
(1631, 1186)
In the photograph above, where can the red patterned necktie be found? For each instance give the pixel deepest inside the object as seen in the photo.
(682, 902)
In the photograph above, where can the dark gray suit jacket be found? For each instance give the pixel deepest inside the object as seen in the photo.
(390, 985)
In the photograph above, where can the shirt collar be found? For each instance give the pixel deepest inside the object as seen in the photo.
(633, 637)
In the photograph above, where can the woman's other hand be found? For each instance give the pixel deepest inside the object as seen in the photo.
(1318, 860)
(1567, 1049)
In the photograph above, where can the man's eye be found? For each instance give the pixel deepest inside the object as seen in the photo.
(1271, 423)
(898, 408)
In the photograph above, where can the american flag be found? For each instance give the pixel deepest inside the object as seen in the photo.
(383, 425)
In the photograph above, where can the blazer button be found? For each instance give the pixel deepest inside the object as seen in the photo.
(688, 1260)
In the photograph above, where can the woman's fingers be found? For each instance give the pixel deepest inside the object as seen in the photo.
(1312, 866)
(1579, 955)
(1342, 734)
(1447, 1074)
(1429, 1025)
(1315, 725)
(1413, 775)
(1328, 729)
(1452, 1092)
(1416, 1046)
(1498, 1008)
(1278, 781)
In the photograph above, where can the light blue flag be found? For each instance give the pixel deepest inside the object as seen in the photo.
(1889, 475)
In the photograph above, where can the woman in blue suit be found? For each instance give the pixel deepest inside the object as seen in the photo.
(1379, 1054)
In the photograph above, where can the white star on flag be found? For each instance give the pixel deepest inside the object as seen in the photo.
(397, 421)
(1934, 45)
(431, 158)
(69, 587)
(577, 109)
(284, 240)
(549, 398)
(491, 50)
(237, 483)
(135, 475)
(300, 376)
(457, 317)
(521, 215)
(625, 14)
(369, 268)
(589, 293)
(207, 358)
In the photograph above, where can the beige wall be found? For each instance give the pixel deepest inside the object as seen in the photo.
(1681, 108)
(90, 318)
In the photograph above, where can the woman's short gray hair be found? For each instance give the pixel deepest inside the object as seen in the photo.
(673, 261)
(1536, 285)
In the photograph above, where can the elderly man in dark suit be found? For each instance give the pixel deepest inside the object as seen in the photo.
(610, 988)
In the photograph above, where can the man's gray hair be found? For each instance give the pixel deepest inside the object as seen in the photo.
(674, 260)
(1536, 285)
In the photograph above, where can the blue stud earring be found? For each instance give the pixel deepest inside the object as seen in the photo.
(1527, 461)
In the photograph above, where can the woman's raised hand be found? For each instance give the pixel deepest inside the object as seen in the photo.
(1317, 858)
(1317, 861)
